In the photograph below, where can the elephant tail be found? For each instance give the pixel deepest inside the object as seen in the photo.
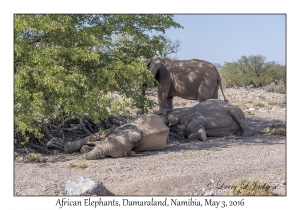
(220, 84)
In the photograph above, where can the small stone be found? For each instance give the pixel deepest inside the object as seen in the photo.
(210, 193)
(251, 109)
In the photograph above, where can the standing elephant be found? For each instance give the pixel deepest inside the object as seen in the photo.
(189, 79)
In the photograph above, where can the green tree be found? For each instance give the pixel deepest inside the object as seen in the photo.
(73, 64)
(253, 70)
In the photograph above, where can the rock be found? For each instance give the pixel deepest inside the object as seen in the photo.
(21, 159)
(251, 109)
(207, 191)
(78, 185)
(210, 193)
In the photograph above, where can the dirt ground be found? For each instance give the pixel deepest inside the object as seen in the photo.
(194, 168)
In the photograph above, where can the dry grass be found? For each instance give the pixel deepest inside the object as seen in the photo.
(184, 103)
(248, 112)
(34, 157)
(251, 187)
(258, 104)
(82, 165)
(241, 104)
(262, 97)
(279, 131)
(277, 102)
(176, 104)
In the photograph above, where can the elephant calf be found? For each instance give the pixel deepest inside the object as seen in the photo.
(209, 118)
(145, 133)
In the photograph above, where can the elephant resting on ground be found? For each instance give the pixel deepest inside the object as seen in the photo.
(189, 79)
(145, 133)
(209, 118)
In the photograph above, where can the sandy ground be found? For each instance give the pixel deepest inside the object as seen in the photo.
(194, 168)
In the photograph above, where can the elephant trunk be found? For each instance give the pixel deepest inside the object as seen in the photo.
(95, 154)
(74, 146)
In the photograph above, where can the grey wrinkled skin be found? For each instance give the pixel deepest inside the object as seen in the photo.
(189, 79)
(209, 118)
(148, 132)
(117, 144)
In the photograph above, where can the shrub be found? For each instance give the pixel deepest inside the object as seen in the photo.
(259, 104)
(279, 130)
(277, 102)
(252, 70)
(277, 87)
(34, 157)
(78, 164)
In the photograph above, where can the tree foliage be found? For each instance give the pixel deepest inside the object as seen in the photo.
(253, 70)
(73, 64)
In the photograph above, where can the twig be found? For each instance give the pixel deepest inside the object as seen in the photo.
(39, 147)
(83, 126)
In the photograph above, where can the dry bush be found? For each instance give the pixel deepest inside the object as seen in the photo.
(262, 97)
(259, 104)
(249, 101)
(82, 165)
(34, 157)
(277, 102)
(276, 87)
(241, 104)
(248, 112)
(281, 131)
(184, 103)
(251, 187)
(176, 103)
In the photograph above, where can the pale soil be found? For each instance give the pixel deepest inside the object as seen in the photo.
(182, 168)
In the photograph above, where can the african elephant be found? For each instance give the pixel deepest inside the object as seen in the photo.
(212, 117)
(189, 79)
(147, 132)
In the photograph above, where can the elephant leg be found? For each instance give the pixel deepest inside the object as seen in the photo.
(195, 128)
(90, 140)
(110, 148)
(86, 148)
(163, 95)
(118, 144)
(239, 117)
(169, 103)
(207, 91)
(200, 135)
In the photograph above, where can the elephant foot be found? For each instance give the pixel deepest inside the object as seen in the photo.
(248, 133)
(200, 135)
(86, 148)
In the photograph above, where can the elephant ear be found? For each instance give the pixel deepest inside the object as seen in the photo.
(154, 65)
(147, 62)
(175, 115)
(163, 114)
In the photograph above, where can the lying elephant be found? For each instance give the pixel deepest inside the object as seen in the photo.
(145, 133)
(209, 118)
